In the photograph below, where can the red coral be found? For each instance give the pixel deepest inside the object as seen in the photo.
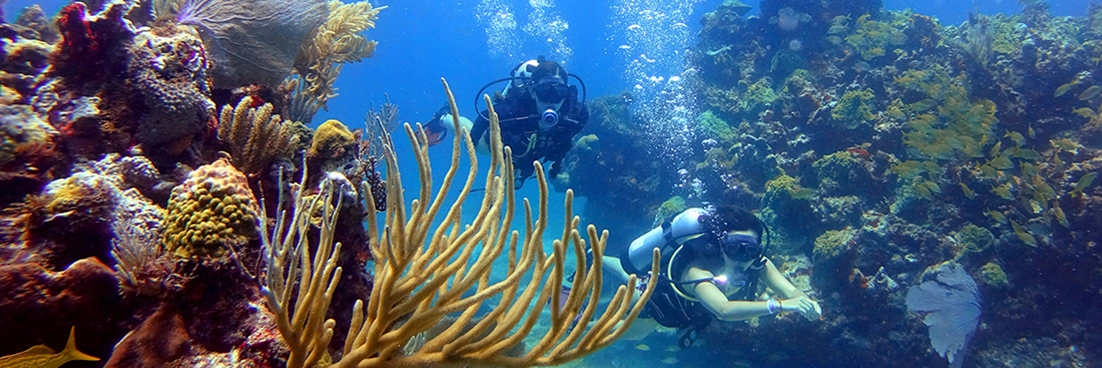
(76, 32)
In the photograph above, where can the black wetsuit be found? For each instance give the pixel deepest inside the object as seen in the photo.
(520, 124)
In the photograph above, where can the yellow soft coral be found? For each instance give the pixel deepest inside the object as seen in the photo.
(255, 136)
(337, 41)
(211, 211)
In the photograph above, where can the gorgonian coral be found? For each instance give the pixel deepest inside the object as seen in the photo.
(253, 41)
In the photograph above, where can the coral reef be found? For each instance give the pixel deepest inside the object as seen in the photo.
(255, 137)
(880, 143)
(211, 213)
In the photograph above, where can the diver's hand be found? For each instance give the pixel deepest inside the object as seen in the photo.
(804, 306)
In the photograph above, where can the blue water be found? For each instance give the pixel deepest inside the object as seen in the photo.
(421, 41)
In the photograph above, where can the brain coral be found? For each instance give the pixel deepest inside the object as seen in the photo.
(168, 70)
(210, 211)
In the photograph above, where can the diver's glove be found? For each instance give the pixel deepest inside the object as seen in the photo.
(804, 306)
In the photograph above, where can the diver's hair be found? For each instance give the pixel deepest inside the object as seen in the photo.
(738, 218)
(548, 68)
(725, 218)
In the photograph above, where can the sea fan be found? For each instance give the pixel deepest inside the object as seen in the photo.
(953, 303)
(253, 42)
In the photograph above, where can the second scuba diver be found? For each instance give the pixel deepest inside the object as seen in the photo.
(711, 263)
(539, 112)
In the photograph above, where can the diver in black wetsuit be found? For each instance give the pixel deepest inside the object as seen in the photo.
(539, 113)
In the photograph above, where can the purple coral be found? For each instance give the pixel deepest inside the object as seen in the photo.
(953, 302)
(253, 42)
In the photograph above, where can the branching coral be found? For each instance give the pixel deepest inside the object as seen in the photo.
(255, 136)
(421, 278)
(335, 42)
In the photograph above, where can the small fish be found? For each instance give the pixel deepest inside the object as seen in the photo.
(1043, 187)
(1065, 144)
(670, 360)
(1027, 154)
(803, 193)
(1089, 93)
(1016, 137)
(1023, 235)
(672, 349)
(923, 190)
(1001, 163)
(642, 347)
(1038, 204)
(983, 140)
(1063, 88)
(1085, 112)
(1056, 160)
(1003, 191)
(41, 356)
(1083, 183)
(995, 150)
(997, 216)
(987, 171)
(1060, 217)
(1028, 169)
(1032, 134)
(967, 191)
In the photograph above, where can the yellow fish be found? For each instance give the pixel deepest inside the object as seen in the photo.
(670, 360)
(968, 191)
(642, 347)
(41, 356)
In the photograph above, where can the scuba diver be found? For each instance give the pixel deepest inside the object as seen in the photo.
(711, 264)
(539, 113)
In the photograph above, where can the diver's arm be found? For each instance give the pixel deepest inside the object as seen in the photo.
(716, 302)
(773, 279)
(795, 300)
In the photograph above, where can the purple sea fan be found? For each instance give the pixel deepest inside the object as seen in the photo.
(952, 300)
(256, 41)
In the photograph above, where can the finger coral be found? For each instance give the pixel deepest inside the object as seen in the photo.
(421, 277)
(253, 42)
(210, 212)
(337, 41)
(255, 137)
(168, 68)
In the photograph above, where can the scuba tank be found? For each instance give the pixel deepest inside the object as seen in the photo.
(688, 224)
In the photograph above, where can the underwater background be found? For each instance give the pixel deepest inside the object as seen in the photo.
(890, 146)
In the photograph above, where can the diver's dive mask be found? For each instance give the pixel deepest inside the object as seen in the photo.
(741, 247)
(550, 89)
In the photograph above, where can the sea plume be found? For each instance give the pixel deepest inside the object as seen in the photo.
(253, 42)
(952, 302)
